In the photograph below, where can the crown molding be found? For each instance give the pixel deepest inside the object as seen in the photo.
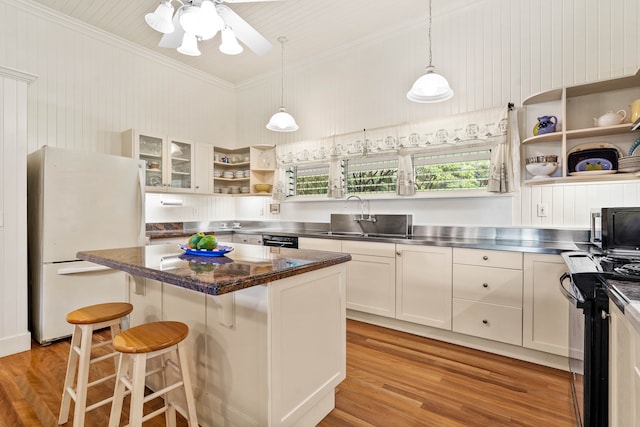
(17, 75)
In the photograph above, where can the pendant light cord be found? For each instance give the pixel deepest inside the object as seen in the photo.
(282, 40)
(430, 52)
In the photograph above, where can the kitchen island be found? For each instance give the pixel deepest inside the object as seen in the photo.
(267, 326)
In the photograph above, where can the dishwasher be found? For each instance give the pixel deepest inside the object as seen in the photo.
(280, 241)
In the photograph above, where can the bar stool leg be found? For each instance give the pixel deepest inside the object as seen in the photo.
(186, 379)
(115, 330)
(70, 377)
(83, 375)
(137, 390)
(170, 414)
(124, 368)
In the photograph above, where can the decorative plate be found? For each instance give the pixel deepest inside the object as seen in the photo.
(219, 251)
(594, 172)
(594, 164)
(634, 148)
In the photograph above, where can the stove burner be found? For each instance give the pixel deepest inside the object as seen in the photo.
(629, 269)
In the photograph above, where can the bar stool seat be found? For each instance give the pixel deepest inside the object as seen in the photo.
(86, 321)
(136, 346)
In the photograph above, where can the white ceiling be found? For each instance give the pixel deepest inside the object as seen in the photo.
(313, 27)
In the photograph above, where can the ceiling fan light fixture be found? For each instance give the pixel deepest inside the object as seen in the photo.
(189, 45)
(160, 19)
(282, 122)
(430, 87)
(229, 45)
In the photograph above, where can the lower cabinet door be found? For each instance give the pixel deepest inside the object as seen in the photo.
(490, 321)
(424, 285)
(371, 284)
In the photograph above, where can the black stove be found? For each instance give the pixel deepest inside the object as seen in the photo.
(592, 274)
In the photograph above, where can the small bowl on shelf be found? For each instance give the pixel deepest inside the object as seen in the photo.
(542, 159)
(541, 169)
(262, 188)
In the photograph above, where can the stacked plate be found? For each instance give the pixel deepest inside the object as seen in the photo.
(629, 164)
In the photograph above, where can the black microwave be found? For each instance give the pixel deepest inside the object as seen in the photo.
(616, 229)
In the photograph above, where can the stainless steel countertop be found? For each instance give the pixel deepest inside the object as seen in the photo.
(518, 239)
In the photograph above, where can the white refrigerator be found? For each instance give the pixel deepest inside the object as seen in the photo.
(78, 201)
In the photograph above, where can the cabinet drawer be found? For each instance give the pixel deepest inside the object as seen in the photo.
(488, 284)
(490, 321)
(487, 258)
(369, 248)
(320, 244)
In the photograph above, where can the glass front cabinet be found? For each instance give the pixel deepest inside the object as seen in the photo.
(169, 161)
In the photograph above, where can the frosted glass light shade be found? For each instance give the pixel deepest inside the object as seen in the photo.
(189, 45)
(282, 122)
(191, 20)
(160, 19)
(229, 44)
(431, 87)
(211, 21)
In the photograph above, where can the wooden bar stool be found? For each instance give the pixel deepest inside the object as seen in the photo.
(86, 320)
(139, 344)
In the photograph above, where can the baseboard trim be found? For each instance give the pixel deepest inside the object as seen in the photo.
(15, 344)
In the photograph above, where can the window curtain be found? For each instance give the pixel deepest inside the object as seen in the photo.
(405, 185)
(336, 183)
(280, 184)
(504, 155)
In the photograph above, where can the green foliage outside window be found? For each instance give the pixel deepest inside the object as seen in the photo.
(452, 176)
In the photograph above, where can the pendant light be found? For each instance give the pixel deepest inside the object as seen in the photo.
(282, 121)
(431, 87)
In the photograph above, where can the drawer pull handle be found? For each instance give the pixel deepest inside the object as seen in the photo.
(485, 258)
(485, 285)
(485, 321)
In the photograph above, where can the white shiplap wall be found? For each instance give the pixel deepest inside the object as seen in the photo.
(492, 52)
(92, 86)
(14, 335)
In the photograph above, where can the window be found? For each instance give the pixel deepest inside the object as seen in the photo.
(310, 180)
(452, 171)
(371, 175)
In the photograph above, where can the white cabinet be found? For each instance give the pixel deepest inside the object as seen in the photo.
(623, 400)
(170, 161)
(371, 280)
(545, 310)
(487, 294)
(249, 239)
(575, 107)
(328, 245)
(424, 289)
(203, 169)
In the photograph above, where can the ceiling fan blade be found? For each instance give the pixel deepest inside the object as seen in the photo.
(243, 31)
(173, 40)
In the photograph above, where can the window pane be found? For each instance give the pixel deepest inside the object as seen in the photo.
(454, 171)
(372, 175)
(311, 180)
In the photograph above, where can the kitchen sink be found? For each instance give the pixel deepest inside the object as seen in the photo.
(363, 235)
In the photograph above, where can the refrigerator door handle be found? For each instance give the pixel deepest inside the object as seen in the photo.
(77, 270)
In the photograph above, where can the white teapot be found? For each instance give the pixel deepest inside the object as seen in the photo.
(610, 118)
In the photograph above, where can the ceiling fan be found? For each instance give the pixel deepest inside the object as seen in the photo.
(198, 20)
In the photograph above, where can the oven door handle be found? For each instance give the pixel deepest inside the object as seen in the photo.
(572, 298)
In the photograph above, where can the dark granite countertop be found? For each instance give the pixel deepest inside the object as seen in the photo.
(245, 266)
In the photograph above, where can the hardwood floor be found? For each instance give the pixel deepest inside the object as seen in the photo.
(399, 379)
(393, 379)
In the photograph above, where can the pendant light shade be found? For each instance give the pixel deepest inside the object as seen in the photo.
(229, 44)
(431, 87)
(189, 45)
(160, 19)
(282, 121)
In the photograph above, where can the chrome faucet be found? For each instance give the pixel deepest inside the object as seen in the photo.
(369, 217)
